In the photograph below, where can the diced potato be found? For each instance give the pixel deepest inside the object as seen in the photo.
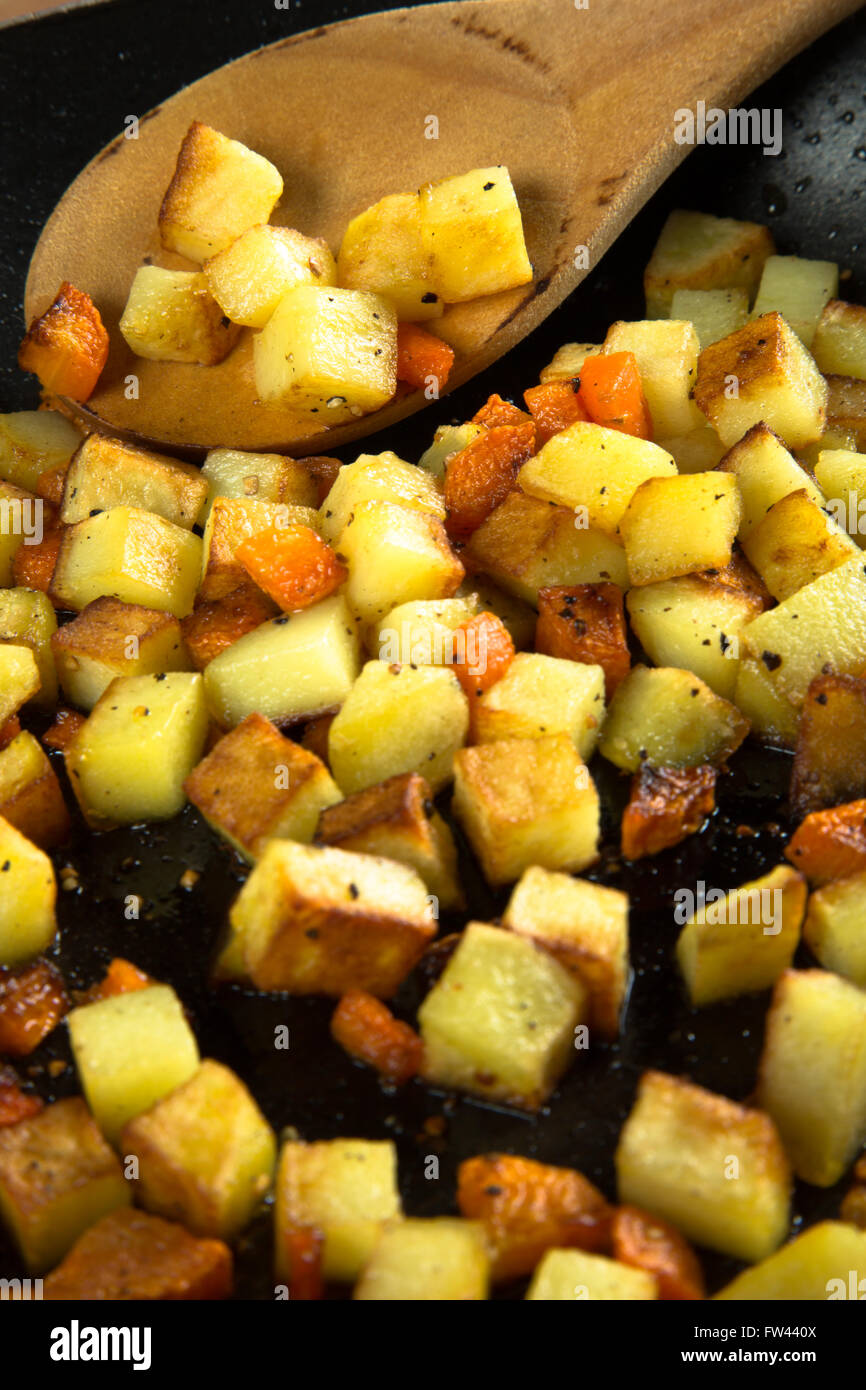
(473, 232)
(145, 734)
(57, 1177)
(109, 639)
(501, 1018)
(812, 1076)
(383, 252)
(263, 477)
(839, 344)
(132, 1256)
(344, 1188)
(231, 521)
(31, 442)
(131, 555)
(822, 625)
(698, 252)
(744, 940)
(30, 795)
(567, 361)
(316, 920)
(397, 820)
(447, 441)
(377, 478)
(255, 786)
(107, 473)
(762, 374)
(20, 517)
(438, 1259)
(565, 1275)
(395, 554)
(835, 927)
(585, 926)
(171, 316)
(329, 350)
(595, 469)
(218, 190)
(398, 718)
(421, 632)
(772, 717)
(715, 1169)
(541, 695)
(27, 921)
(19, 679)
(693, 623)
(249, 277)
(841, 476)
(712, 313)
(814, 1266)
(675, 525)
(292, 667)
(514, 613)
(669, 718)
(27, 619)
(527, 545)
(765, 472)
(830, 759)
(795, 543)
(666, 352)
(846, 411)
(205, 1152)
(527, 801)
(130, 1051)
(695, 452)
(798, 290)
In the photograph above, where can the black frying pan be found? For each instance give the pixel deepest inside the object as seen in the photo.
(67, 82)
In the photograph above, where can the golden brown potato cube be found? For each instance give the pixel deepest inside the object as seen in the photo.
(249, 278)
(500, 1021)
(585, 926)
(846, 409)
(666, 353)
(316, 920)
(395, 555)
(541, 695)
(27, 619)
(382, 251)
(674, 526)
(714, 1169)
(19, 679)
(396, 819)
(205, 1152)
(433, 1259)
(57, 1176)
(110, 638)
(567, 361)
(698, 252)
(262, 477)
(108, 473)
(795, 543)
(835, 927)
(669, 718)
(524, 802)
(693, 624)
(170, 316)
(473, 231)
(231, 521)
(32, 442)
(815, 1266)
(830, 759)
(218, 190)
(564, 1275)
(255, 786)
(812, 1076)
(133, 555)
(27, 901)
(839, 344)
(30, 795)
(132, 1256)
(762, 374)
(20, 522)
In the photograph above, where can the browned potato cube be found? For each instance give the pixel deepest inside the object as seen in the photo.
(109, 639)
(846, 409)
(131, 1256)
(255, 786)
(830, 761)
(107, 473)
(839, 344)
(698, 252)
(57, 1176)
(30, 795)
(397, 820)
(233, 520)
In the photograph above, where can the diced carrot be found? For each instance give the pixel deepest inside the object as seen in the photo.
(830, 844)
(130, 1255)
(304, 1249)
(11, 729)
(215, 624)
(667, 804)
(422, 358)
(528, 1207)
(483, 651)
(33, 565)
(32, 1002)
(585, 622)
(292, 565)
(66, 724)
(366, 1029)
(15, 1104)
(554, 406)
(853, 1208)
(495, 411)
(121, 977)
(611, 394)
(481, 476)
(645, 1242)
(50, 484)
(324, 470)
(860, 1169)
(67, 347)
(315, 736)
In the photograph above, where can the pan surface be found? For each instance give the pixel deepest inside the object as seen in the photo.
(68, 81)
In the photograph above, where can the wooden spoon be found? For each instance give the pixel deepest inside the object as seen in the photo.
(580, 104)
